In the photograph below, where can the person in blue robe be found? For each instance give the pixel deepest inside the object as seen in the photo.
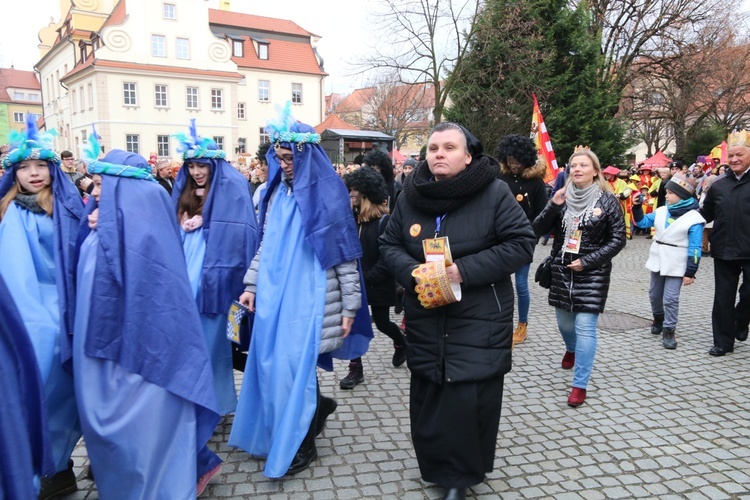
(39, 214)
(143, 377)
(309, 246)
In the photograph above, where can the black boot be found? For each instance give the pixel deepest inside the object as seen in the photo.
(656, 325)
(455, 494)
(356, 375)
(399, 352)
(326, 406)
(307, 452)
(62, 483)
(667, 339)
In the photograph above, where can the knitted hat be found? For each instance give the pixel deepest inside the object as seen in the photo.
(369, 183)
(410, 162)
(682, 187)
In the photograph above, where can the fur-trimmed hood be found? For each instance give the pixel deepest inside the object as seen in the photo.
(539, 169)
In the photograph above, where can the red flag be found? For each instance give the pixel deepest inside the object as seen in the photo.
(541, 138)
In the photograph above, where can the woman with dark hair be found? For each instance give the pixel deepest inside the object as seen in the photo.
(39, 214)
(590, 230)
(523, 171)
(368, 196)
(458, 352)
(378, 160)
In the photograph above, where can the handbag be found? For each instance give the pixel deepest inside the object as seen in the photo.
(543, 274)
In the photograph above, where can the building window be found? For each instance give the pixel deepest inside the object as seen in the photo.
(158, 46)
(264, 137)
(73, 103)
(219, 142)
(182, 48)
(84, 137)
(169, 11)
(18, 96)
(160, 96)
(128, 94)
(262, 51)
(237, 48)
(297, 93)
(241, 145)
(162, 145)
(192, 97)
(217, 99)
(240, 110)
(18, 117)
(91, 96)
(82, 95)
(264, 90)
(132, 144)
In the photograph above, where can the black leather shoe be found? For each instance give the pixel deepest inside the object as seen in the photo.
(326, 407)
(305, 456)
(720, 351)
(62, 483)
(741, 334)
(455, 494)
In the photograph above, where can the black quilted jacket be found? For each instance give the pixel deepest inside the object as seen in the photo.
(603, 237)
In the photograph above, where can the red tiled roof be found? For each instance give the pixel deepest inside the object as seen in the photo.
(260, 23)
(334, 121)
(354, 101)
(150, 67)
(282, 56)
(117, 16)
(16, 78)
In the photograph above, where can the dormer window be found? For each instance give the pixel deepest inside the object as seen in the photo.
(237, 48)
(263, 51)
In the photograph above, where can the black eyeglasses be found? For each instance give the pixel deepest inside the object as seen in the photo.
(288, 159)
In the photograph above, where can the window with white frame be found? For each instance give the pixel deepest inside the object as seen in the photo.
(219, 142)
(240, 110)
(91, 96)
(158, 46)
(182, 48)
(169, 11)
(264, 90)
(162, 145)
(19, 96)
(237, 48)
(18, 117)
(263, 51)
(132, 143)
(82, 96)
(217, 99)
(192, 98)
(34, 97)
(84, 137)
(73, 102)
(264, 137)
(160, 96)
(297, 93)
(129, 94)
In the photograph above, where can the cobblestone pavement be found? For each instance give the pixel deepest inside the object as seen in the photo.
(656, 423)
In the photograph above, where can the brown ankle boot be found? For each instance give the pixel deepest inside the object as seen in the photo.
(520, 334)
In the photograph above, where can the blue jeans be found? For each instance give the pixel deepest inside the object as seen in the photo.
(522, 291)
(578, 331)
(664, 293)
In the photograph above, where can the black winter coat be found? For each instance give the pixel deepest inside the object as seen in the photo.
(490, 238)
(528, 188)
(379, 282)
(727, 204)
(603, 236)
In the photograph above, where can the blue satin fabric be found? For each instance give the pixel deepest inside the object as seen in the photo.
(214, 325)
(24, 443)
(141, 438)
(28, 267)
(279, 390)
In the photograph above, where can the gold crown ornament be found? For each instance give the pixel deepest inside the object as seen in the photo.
(434, 289)
(739, 138)
(581, 148)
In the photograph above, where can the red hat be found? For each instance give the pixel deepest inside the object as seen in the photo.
(645, 167)
(611, 170)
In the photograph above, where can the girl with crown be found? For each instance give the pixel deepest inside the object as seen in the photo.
(39, 214)
(143, 378)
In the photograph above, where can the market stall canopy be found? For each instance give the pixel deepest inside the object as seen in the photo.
(658, 160)
(343, 145)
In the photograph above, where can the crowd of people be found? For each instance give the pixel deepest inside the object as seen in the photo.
(111, 338)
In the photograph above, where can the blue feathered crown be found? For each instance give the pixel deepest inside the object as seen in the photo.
(30, 145)
(90, 154)
(192, 146)
(286, 129)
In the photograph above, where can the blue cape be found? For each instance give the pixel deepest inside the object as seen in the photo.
(67, 213)
(323, 202)
(230, 230)
(142, 304)
(24, 441)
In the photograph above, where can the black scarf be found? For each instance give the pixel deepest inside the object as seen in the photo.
(29, 202)
(439, 197)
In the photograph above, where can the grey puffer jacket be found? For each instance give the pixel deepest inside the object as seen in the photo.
(343, 297)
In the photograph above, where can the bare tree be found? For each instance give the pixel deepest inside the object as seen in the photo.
(424, 41)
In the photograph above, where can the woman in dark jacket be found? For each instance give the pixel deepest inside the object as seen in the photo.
(588, 219)
(523, 171)
(369, 199)
(458, 353)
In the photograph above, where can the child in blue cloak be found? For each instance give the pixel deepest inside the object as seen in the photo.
(306, 290)
(214, 208)
(143, 377)
(39, 214)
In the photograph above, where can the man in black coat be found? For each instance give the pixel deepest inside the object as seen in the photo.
(164, 175)
(727, 205)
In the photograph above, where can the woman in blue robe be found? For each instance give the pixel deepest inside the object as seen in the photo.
(39, 214)
(142, 371)
(214, 209)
